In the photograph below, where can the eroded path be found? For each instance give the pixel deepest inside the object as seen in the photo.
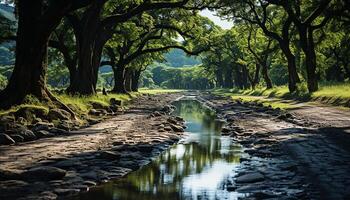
(303, 154)
(60, 166)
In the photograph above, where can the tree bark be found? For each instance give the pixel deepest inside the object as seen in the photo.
(91, 41)
(293, 77)
(29, 74)
(266, 76)
(135, 80)
(308, 47)
(119, 79)
(128, 80)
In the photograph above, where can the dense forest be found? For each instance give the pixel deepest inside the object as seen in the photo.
(174, 99)
(122, 46)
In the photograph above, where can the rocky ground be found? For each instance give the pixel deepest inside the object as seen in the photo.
(67, 161)
(301, 154)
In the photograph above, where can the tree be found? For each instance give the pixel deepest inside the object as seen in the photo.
(36, 21)
(273, 21)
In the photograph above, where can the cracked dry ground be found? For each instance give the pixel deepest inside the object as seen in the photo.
(304, 154)
(89, 156)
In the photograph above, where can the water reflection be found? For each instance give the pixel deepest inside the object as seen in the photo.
(195, 169)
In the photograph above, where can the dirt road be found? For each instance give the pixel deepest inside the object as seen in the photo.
(302, 154)
(64, 165)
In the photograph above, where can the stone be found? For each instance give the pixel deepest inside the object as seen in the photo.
(6, 139)
(66, 192)
(157, 114)
(10, 174)
(98, 105)
(42, 126)
(90, 183)
(180, 119)
(28, 135)
(172, 120)
(44, 173)
(110, 155)
(58, 131)
(68, 163)
(22, 121)
(43, 134)
(30, 112)
(116, 102)
(176, 128)
(58, 114)
(17, 138)
(250, 178)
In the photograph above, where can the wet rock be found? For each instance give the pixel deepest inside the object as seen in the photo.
(58, 114)
(89, 183)
(110, 155)
(66, 192)
(225, 130)
(176, 128)
(167, 109)
(172, 120)
(6, 139)
(180, 119)
(44, 173)
(250, 178)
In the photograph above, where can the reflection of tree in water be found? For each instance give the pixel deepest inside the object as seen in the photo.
(163, 178)
(195, 112)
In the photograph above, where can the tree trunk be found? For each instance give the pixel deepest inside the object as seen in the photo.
(228, 78)
(293, 77)
(219, 78)
(265, 74)
(308, 46)
(135, 81)
(119, 79)
(256, 79)
(91, 42)
(245, 78)
(128, 80)
(29, 74)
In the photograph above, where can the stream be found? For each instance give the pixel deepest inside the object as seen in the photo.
(198, 167)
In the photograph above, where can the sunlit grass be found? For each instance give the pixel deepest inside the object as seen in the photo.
(334, 94)
(158, 91)
(83, 103)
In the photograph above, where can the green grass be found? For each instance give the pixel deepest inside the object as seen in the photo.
(80, 104)
(83, 103)
(158, 91)
(332, 94)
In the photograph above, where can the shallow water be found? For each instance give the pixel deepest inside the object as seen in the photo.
(196, 168)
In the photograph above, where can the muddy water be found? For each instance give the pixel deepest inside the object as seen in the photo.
(196, 168)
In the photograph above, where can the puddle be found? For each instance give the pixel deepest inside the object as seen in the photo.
(196, 168)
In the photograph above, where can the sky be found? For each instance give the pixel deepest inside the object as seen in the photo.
(211, 15)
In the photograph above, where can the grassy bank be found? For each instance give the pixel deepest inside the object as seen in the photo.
(331, 94)
(158, 91)
(82, 104)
